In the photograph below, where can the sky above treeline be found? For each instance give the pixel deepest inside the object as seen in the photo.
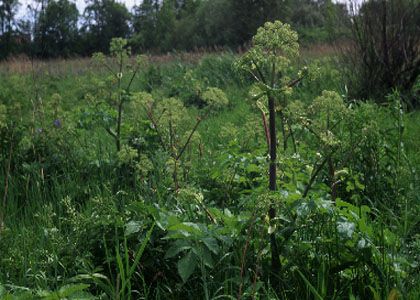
(81, 4)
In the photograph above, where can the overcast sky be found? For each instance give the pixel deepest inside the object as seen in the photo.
(129, 3)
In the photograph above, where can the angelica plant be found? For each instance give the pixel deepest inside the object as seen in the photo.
(322, 119)
(215, 98)
(167, 118)
(274, 47)
(117, 88)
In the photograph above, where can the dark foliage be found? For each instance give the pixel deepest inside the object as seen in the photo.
(385, 52)
(56, 29)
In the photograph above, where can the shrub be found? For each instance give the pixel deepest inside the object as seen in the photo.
(384, 52)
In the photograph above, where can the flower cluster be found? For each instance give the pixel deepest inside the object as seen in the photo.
(215, 98)
(275, 44)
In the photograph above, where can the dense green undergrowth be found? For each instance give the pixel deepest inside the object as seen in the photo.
(151, 182)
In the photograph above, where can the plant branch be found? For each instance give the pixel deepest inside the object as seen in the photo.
(199, 119)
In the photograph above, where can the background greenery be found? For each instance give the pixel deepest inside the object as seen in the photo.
(55, 28)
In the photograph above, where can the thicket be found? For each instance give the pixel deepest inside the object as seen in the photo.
(384, 53)
(141, 180)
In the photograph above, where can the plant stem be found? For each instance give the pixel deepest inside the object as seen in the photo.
(6, 183)
(275, 259)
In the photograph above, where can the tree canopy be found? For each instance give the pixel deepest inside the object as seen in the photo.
(55, 28)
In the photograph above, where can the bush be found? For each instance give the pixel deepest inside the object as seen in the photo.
(384, 53)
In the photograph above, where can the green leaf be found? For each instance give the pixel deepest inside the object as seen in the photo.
(187, 228)
(211, 244)
(176, 248)
(140, 251)
(204, 255)
(350, 186)
(69, 290)
(186, 266)
(311, 287)
(252, 168)
(132, 227)
(346, 228)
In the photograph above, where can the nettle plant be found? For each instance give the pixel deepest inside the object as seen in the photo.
(274, 47)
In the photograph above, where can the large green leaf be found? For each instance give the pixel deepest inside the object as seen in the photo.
(186, 266)
(211, 244)
(182, 230)
(177, 247)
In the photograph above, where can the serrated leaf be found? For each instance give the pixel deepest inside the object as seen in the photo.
(186, 266)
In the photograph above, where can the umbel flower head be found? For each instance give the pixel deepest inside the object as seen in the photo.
(275, 43)
(277, 39)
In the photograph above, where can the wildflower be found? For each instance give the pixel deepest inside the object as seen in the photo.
(57, 123)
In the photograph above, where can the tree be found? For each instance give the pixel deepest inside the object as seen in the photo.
(144, 25)
(57, 31)
(8, 10)
(105, 19)
(215, 23)
(7, 13)
(187, 32)
(165, 25)
(306, 13)
(248, 15)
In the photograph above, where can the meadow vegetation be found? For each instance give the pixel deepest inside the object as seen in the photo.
(145, 178)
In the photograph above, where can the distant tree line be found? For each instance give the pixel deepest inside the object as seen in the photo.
(55, 28)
